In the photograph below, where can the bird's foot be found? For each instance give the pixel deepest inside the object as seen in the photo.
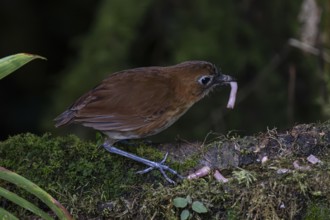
(152, 165)
(162, 168)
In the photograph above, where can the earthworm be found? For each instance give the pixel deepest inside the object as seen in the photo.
(232, 96)
(199, 173)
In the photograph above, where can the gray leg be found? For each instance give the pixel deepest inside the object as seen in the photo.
(152, 165)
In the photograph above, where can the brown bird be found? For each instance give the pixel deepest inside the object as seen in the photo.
(141, 102)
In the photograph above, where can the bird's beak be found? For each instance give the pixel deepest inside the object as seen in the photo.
(224, 79)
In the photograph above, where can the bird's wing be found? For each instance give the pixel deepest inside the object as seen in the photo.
(125, 101)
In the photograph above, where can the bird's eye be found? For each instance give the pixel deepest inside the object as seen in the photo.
(204, 80)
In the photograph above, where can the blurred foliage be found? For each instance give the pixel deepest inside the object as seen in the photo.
(246, 39)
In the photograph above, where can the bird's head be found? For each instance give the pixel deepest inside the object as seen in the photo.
(196, 79)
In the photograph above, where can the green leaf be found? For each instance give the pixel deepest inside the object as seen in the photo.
(29, 186)
(180, 202)
(11, 63)
(5, 215)
(23, 203)
(184, 214)
(189, 200)
(199, 207)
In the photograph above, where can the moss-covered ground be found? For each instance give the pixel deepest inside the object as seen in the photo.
(93, 184)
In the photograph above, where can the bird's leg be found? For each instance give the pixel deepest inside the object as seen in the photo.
(152, 165)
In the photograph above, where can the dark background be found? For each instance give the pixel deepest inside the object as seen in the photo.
(84, 41)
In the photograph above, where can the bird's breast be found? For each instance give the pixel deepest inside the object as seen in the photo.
(164, 119)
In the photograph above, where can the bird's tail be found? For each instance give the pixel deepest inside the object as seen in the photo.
(65, 118)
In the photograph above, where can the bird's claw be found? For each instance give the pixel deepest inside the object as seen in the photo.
(162, 168)
(151, 164)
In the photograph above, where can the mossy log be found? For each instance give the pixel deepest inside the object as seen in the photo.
(233, 151)
(92, 184)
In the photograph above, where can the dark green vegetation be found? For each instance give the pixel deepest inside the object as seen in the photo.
(79, 174)
(90, 182)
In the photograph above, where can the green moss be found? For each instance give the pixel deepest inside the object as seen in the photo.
(79, 174)
(318, 210)
(147, 151)
(91, 183)
(187, 164)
